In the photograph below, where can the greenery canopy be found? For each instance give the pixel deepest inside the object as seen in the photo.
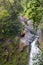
(9, 23)
(11, 9)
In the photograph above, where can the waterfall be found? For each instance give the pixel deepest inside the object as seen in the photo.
(31, 41)
(35, 53)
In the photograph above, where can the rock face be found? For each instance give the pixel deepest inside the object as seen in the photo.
(27, 39)
(39, 34)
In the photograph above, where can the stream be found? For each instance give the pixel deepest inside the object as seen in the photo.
(35, 53)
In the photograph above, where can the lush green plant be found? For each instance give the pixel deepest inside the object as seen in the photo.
(9, 23)
(34, 11)
(10, 27)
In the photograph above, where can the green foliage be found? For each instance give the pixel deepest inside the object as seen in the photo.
(9, 23)
(10, 27)
(23, 57)
(10, 53)
(34, 11)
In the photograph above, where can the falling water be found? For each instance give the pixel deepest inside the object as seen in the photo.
(35, 53)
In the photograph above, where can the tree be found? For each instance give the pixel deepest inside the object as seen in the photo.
(10, 24)
(34, 11)
(10, 27)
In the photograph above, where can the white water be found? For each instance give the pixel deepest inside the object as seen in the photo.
(35, 53)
